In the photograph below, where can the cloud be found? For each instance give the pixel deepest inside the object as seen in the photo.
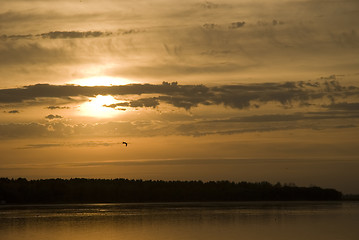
(210, 26)
(265, 123)
(346, 126)
(139, 103)
(235, 25)
(15, 37)
(12, 111)
(23, 130)
(74, 34)
(129, 31)
(56, 129)
(42, 145)
(32, 53)
(121, 104)
(46, 90)
(175, 162)
(70, 34)
(189, 126)
(197, 130)
(51, 116)
(276, 22)
(145, 102)
(186, 161)
(239, 96)
(228, 42)
(209, 5)
(57, 107)
(82, 144)
(344, 106)
(299, 116)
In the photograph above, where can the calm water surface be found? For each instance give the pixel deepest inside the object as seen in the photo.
(205, 221)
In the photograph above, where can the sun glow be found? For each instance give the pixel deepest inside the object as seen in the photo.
(96, 107)
(101, 81)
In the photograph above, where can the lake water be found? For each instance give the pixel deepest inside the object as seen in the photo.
(174, 221)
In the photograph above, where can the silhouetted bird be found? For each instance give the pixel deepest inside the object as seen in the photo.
(124, 143)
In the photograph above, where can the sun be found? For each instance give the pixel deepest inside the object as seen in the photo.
(101, 81)
(96, 107)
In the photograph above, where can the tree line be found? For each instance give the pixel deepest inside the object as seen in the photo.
(81, 190)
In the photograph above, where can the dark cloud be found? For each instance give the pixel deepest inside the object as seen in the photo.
(274, 22)
(116, 105)
(145, 102)
(57, 107)
(238, 96)
(13, 111)
(51, 116)
(130, 31)
(70, 34)
(241, 96)
(235, 25)
(15, 37)
(65, 91)
(47, 91)
(210, 26)
(74, 34)
(142, 102)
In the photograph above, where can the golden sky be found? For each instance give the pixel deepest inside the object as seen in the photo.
(200, 90)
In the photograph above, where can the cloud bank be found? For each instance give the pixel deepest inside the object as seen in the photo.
(316, 105)
(238, 96)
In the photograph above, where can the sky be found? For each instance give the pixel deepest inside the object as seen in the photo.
(245, 90)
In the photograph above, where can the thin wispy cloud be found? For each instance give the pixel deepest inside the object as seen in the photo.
(71, 145)
(69, 35)
(225, 126)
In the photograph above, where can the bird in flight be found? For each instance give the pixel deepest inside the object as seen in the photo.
(124, 143)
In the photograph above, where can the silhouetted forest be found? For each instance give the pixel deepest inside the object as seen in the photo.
(80, 190)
